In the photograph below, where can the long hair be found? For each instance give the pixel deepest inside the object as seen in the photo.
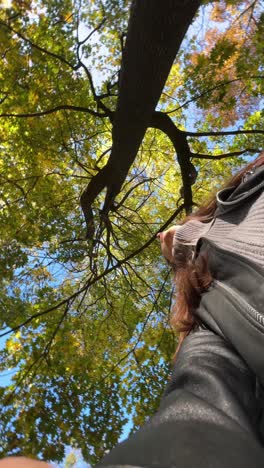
(191, 275)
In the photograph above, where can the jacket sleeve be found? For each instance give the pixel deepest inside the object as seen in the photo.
(209, 415)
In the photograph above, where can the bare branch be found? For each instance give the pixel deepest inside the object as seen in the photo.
(149, 179)
(222, 133)
(15, 183)
(250, 7)
(227, 155)
(93, 280)
(2, 100)
(37, 47)
(39, 358)
(55, 109)
(92, 32)
(207, 91)
(132, 350)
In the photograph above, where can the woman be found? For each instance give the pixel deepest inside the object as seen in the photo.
(22, 462)
(212, 411)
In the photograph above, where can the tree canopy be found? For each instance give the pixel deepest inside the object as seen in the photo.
(87, 318)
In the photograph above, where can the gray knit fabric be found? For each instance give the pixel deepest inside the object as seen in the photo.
(238, 225)
(242, 230)
(190, 232)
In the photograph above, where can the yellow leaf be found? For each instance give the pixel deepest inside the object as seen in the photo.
(68, 17)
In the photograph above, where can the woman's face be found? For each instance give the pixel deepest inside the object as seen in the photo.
(166, 241)
(22, 462)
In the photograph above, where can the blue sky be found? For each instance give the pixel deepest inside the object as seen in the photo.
(5, 377)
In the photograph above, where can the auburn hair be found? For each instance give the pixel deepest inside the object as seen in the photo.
(191, 275)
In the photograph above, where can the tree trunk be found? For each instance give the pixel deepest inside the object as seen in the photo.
(155, 32)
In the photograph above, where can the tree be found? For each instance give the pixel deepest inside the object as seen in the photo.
(87, 320)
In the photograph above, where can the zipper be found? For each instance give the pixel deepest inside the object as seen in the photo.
(247, 308)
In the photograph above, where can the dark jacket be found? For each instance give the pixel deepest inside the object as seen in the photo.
(211, 415)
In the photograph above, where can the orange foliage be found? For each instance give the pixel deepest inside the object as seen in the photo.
(221, 60)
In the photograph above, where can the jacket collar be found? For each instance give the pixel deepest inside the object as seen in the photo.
(229, 198)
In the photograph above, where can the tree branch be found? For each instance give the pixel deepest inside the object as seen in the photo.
(149, 179)
(92, 280)
(222, 133)
(142, 330)
(227, 155)
(98, 99)
(39, 358)
(207, 91)
(142, 79)
(178, 138)
(55, 109)
(92, 32)
(37, 47)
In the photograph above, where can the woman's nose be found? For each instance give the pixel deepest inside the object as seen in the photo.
(160, 236)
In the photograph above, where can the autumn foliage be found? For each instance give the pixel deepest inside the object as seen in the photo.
(85, 324)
